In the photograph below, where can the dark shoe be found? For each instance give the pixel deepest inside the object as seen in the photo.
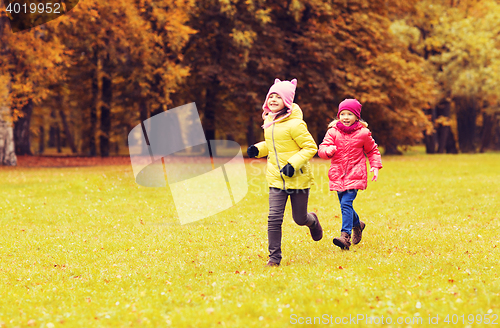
(357, 233)
(316, 230)
(272, 264)
(344, 241)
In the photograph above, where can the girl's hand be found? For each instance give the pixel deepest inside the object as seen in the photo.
(375, 173)
(331, 150)
(252, 151)
(288, 170)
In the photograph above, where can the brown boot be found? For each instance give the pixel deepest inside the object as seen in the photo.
(357, 233)
(316, 229)
(344, 241)
(272, 264)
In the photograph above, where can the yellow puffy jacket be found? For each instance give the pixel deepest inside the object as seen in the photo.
(288, 141)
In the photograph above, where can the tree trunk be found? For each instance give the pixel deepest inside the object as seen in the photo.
(144, 115)
(250, 131)
(66, 127)
(22, 130)
(466, 123)
(321, 128)
(486, 131)
(52, 136)
(430, 143)
(143, 110)
(41, 140)
(496, 133)
(58, 139)
(209, 114)
(451, 146)
(446, 139)
(92, 149)
(93, 119)
(443, 132)
(430, 140)
(105, 115)
(208, 121)
(67, 131)
(391, 149)
(7, 147)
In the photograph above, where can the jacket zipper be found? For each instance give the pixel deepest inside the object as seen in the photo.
(347, 136)
(348, 142)
(277, 160)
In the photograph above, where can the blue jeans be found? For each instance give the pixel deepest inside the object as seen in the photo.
(350, 218)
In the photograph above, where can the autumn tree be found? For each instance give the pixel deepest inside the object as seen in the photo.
(121, 62)
(218, 57)
(31, 59)
(344, 49)
(459, 39)
(335, 49)
(7, 147)
(470, 66)
(92, 72)
(126, 59)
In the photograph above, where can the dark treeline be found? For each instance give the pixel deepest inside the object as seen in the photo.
(83, 81)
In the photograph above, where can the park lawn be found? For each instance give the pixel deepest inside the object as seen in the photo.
(87, 247)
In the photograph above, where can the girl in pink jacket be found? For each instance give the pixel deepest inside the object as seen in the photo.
(346, 143)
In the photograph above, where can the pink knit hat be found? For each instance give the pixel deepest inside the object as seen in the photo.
(351, 105)
(286, 90)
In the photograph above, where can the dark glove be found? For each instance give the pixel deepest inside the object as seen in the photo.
(252, 151)
(288, 170)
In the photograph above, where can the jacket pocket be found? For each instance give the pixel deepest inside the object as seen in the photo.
(358, 172)
(335, 173)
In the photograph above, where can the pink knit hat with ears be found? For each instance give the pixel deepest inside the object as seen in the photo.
(286, 90)
(351, 105)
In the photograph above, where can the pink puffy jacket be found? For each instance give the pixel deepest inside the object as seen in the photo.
(348, 163)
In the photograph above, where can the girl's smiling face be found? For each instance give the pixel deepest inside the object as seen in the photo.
(347, 117)
(275, 103)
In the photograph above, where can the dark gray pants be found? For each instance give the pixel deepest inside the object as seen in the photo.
(277, 203)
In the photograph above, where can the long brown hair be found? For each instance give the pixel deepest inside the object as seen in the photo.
(281, 113)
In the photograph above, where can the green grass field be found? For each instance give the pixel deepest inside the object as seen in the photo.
(87, 247)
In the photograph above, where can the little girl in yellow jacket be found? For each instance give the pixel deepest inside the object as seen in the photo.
(288, 146)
